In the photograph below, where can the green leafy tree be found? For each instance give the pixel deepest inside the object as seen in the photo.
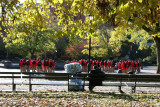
(123, 14)
(6, 6)
(29, 33)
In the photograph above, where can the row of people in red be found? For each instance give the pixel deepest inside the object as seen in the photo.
(126, 66)
(105, 65)
(37, 65)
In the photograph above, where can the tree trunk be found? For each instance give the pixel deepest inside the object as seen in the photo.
(157, 40)
(32, 54)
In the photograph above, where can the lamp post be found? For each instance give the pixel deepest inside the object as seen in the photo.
(89, 64)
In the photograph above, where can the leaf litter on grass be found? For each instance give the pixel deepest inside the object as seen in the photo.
(79, 99)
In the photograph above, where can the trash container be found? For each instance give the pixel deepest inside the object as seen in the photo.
(74, 68)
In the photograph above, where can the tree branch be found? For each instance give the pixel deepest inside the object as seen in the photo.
(146, 28)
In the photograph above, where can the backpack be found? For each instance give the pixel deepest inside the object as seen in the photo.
(27, 63)
(94, 63)
(50, 64)
(98, 64)
(34, 62)
(134, 64)
(82, 63)
(129, 64)
(102, 63)
(45, 63)
(105, 63)
(39, 63)
(113, 64)
(125, 65)
(24, 63)
(138, 64)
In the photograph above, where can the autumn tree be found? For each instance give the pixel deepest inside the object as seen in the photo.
(123, 14)
(29, 33)
(6, 6)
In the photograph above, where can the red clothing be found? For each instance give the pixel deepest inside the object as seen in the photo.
(38, 63)
(108, 63)
(43, 63)
(34, 63)
(138, 64)
(98, 64)
(124, 65)
(54, 64)
(21, 63)
(102, 63)
(105, 63)
(132, 64)
(81, 62)
(120, 65)
(51, 63)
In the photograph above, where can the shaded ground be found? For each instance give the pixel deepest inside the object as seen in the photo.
(79, 99)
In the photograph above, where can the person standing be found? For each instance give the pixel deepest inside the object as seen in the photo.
(105, 66)
(120, 65)
(21, 65)
(47, 65)
(24, 65)
(38, 65)
(138, 66)
(102, 65)
(124, 67)
(44, 64)
(50, 65)
(109, 65)
(34, 65)
(98, 64)
(53, 67)
(28, 65)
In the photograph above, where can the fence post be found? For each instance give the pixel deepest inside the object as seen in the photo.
(84, 83)
(30, 86)
(13, 85)
(135, 84)
(68, 81)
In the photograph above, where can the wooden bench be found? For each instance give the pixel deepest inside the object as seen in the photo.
(129, 80)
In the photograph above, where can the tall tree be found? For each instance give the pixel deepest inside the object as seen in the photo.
(6, 6)
(29, 32)
(125, 14)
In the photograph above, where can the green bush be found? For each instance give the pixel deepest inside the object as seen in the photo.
(150, 60)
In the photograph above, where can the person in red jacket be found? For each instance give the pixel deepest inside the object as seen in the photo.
(138, 66)
(24, 65)
(44, 65)
(105, 66)
(133, 66)
(120, 65)
(102, 65)
(21, 65)
(124, 67)
(112, 66)
(109, 65)
(98, 64)
(34, 65)
(85, 66)
(38, 65)
(53, 67)
(28, 65)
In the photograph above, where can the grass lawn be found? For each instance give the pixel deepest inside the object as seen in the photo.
(79, 99)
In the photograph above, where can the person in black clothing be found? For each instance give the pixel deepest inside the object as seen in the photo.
(95, 79)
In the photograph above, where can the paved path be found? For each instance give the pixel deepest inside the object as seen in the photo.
(145, 70)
